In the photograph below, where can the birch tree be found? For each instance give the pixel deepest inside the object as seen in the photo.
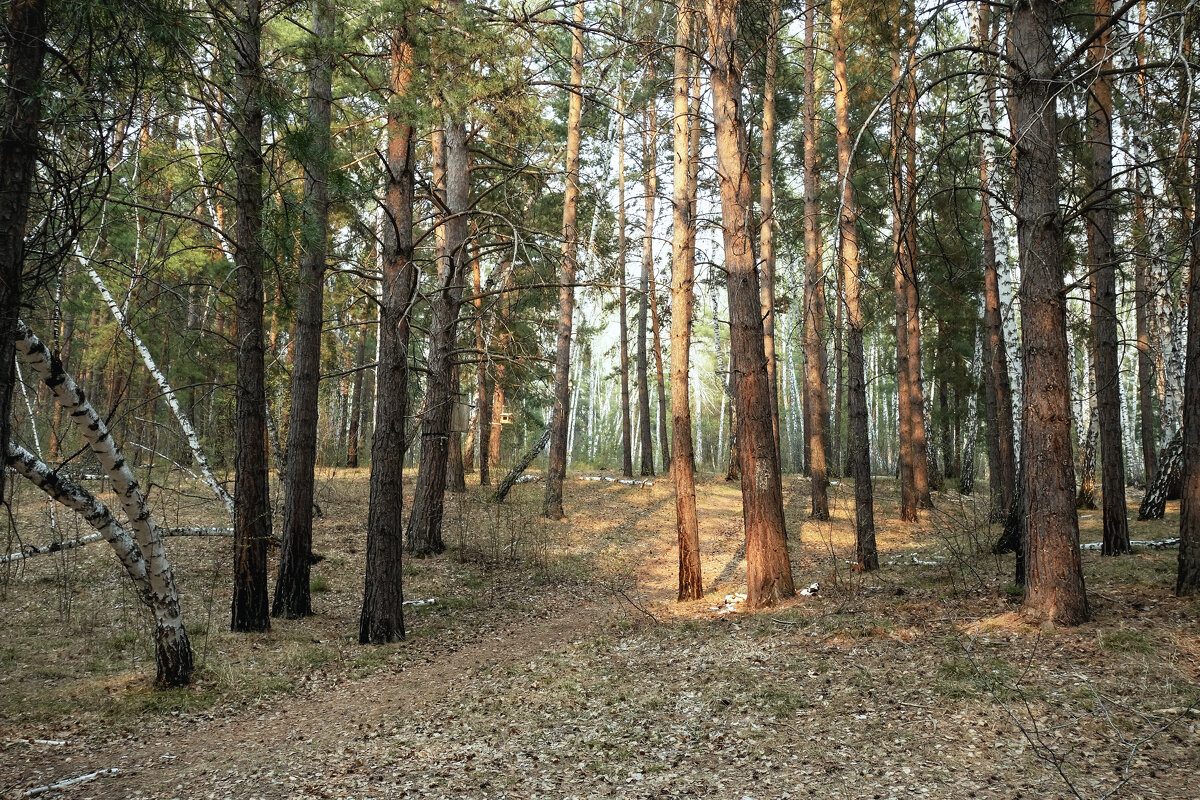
(173, 651)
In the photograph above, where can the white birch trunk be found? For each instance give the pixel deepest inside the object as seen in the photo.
(1174, 346)
(173, 651)
(80, 500)
(185, 424)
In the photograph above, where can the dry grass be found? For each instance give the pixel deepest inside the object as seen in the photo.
(556, 662)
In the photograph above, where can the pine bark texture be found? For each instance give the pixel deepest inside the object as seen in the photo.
(20, 122)
(1054, 586)
(382, 617)
(292, 596)
(768, 568)
(557, 466)
(623, 300)
(252, 522)
(683, 271)
(816, 356)
(924, 478)
(908, 487)
(424, 537)
(858, 447)
(766, 206)
(353, 434)
(646, 437)
(1188, 579)
(1002, 456)
(1103, 285)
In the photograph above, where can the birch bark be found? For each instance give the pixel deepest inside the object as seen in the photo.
(173, 652)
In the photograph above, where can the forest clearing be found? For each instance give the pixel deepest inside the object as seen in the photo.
(574, 398)
(555, 662)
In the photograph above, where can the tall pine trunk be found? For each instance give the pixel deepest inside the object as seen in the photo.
(858, 447)
(252, 522)
(356, 408)
(816, 360)
(382, 617)
(622, 298)
(644, 298)
(483, 389)
(1188, 580)
(441, 387)
(557, 467)
(768, 568)
(20, 120)
(664, 447)
(292, 597)
(1054, 587)
(1103, 284)
(766, 205)
(1002, 454)
(922, 477)
(683, 270)
(908, 488)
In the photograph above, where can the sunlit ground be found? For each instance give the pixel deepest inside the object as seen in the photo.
(555, 662)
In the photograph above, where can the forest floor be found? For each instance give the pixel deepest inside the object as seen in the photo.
(556, 663)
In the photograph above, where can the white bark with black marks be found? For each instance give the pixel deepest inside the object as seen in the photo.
(173, 651)
(185, 424)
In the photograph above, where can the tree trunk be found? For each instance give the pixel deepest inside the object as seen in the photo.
(908, 488)
(456, 479)
(557, 466)
(441, 388)
(252, 522)
(173, 651)
(1188, 580)
(663, 443)
(519, 468)
(622, 247)
(733, 470)
(498, 399)
(923, 479)
(858, 442)
(1143, 290)
(1002, 455)
(1085, 497)
(966, 474)
(292, 597)
(683, 270)
(816, 361)
(1167, 481)
(945, 427)
(1103, 284)
(766, 205)
(838, 465)
(768, 568)
(59, 487)
(644, 298)
(160, 380)
(356, 410)
(382, 617)
(483, 390)
(1054, 586)
(25, 40)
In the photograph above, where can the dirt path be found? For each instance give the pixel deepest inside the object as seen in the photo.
(298, 738)
(885, 692)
